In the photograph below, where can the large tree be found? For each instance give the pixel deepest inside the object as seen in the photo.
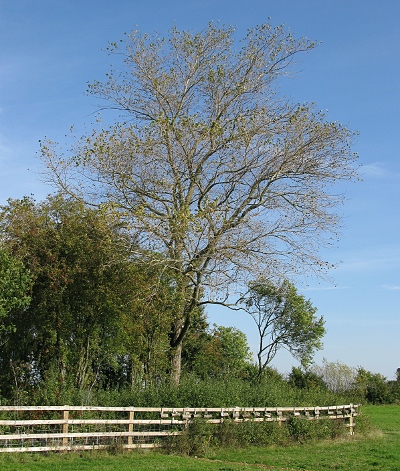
(219, 176)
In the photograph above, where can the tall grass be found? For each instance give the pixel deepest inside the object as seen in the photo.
(272, 391)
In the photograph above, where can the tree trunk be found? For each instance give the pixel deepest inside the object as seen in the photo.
(260, 365)
(179, 329)
(176, 364)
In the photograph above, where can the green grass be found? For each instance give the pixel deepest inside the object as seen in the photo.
(103, 462)
(380, 450)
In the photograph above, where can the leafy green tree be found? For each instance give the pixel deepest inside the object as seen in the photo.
(220, 352)
(196, 346)
(149, 298)
(215, 173)
(80, 276)
(15, 283)
(374, 387)
(305, 379)
(284, 319)
(395, 387)
(235, 351)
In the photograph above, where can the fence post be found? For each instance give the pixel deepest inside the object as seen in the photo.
(279, 416)
(130, 426)
(236, 414)
(65, 425)
(351, 420)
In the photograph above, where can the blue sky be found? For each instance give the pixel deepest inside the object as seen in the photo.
(50, 49)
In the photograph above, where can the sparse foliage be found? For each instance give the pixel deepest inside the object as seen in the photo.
(220, 178)
(337, 376)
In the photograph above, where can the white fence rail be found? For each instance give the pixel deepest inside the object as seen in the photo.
(56, 428)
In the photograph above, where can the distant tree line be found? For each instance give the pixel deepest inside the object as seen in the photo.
(356, 383)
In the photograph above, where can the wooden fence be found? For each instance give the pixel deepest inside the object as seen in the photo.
(57, 428)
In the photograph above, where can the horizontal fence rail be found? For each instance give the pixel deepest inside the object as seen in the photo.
(57, 428)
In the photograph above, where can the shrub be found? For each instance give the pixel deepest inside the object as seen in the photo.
(302, 430)
(195, 440)
(200, 436)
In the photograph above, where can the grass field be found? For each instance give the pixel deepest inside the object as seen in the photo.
(380, 450)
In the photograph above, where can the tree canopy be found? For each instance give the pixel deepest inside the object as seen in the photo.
(81, 283)
(15, 283)
(220, 178)
(284, 319)
(222, 352)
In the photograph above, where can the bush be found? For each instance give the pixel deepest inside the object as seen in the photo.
(200, 437)
(197, 439)
(233, 434)
(302, 430)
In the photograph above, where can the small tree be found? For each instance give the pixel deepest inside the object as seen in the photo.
(284, 319)
(220, 352)
(337, 376)
(305, 379)
(214, 172)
